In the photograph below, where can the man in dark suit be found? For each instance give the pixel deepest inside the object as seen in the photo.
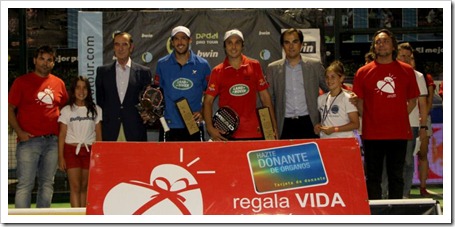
(294, 87)
(118, 86)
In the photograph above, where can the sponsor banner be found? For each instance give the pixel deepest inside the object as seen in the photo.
(151, 35)
(90, 45)
(234, 178)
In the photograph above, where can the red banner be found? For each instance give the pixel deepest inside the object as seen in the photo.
(435, 158)
(211, 178)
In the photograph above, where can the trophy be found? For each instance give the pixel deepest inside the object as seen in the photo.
(151, 103)
(266, 123)
(187, 115)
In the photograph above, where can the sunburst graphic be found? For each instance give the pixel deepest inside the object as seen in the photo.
(194, 161)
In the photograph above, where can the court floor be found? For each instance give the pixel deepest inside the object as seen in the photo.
(435, 190)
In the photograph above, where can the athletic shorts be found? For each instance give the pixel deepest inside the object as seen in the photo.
(81, 160)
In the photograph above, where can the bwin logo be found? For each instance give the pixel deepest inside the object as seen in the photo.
(308, 47)
(209, 54)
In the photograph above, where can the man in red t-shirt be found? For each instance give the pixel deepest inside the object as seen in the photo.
(387, 92)
(34, 103)
(237, 81)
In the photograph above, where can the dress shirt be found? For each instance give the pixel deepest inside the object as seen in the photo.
(295, 92)
(122, 77)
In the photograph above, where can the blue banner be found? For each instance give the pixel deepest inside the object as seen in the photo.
(90, 45)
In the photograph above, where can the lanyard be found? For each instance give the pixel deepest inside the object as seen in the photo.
(326, 111)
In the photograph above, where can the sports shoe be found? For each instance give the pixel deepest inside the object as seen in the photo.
(424, 192)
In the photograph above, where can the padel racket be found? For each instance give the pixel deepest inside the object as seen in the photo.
(226, 120)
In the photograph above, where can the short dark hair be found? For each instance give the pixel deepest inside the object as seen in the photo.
(394, 42)
(130, 37)
(406, 46)
(290, 31)
(45, 49)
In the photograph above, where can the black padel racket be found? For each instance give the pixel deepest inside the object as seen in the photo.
(226, 120)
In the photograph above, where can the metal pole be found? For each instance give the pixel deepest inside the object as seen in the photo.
(23, 55)
(336, 30)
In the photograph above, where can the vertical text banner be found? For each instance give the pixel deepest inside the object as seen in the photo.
(236, 178)
(90, 45)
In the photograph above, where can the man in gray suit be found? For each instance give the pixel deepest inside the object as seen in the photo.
(118, 86)
(294, 88)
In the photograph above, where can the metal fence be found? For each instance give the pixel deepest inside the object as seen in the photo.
(11, 156)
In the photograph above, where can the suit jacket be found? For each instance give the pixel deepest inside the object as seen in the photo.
(126, 113)
(313, 78)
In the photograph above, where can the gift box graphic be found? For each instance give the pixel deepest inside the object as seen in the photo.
(172, 190)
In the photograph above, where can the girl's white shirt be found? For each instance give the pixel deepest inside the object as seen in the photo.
(80, 127)
(336, 113)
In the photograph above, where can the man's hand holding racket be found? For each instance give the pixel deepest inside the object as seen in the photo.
(215, 134)
(221, 125)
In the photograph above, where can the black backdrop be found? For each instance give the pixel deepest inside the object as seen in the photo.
(151, 31)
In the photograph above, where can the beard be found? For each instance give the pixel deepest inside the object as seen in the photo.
(383, 53)
(43, 70)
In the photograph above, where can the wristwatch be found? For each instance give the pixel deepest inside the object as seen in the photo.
(424, 127)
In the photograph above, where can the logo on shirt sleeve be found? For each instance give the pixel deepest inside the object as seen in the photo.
(211, 87)
(262, 82)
